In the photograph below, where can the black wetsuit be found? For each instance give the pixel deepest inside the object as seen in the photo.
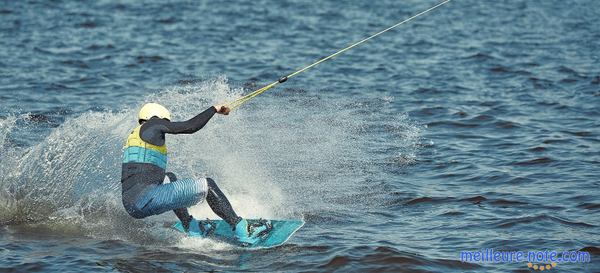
(137, 177)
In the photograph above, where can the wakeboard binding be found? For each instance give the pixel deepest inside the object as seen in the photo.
(259, 228)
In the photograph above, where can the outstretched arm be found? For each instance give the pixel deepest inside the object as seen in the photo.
(189, 126)
(196, 123)
(154, 130)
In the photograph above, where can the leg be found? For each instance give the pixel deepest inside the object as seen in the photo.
(181, 213)
(217, 201)
(184, 216)
(171, 196)
(220, 205)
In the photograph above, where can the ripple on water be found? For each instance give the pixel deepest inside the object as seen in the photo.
(589, 206)
(509, 223)
(536, 161)
(389, 259)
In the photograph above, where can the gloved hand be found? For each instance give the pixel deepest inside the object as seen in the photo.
(222, 109)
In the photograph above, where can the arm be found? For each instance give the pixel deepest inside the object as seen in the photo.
(154, 130)
(189, 126)
(196, 123)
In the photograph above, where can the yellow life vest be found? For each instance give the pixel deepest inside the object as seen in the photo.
(139, 151)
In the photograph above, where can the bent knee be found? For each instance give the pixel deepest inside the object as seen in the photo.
(136, 208)
(137, 212)
(211, 183)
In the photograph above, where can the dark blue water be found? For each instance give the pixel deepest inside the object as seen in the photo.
(475, 126)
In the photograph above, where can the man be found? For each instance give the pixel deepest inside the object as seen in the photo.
(144, 170)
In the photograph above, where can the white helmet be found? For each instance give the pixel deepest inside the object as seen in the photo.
(150, 110)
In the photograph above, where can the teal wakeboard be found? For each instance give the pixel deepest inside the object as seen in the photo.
(280, 232)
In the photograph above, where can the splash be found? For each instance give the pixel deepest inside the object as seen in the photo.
(6, 126)
(281, 156)
(75, 161)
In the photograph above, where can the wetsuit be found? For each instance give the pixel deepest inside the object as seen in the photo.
(144, 170)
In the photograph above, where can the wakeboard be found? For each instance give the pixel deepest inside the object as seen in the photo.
(280, 232)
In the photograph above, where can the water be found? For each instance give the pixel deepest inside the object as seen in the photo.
(475, 126)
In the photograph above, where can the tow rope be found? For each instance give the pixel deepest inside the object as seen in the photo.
(236, 103)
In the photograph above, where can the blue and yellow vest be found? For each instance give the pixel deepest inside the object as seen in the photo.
(139, 151)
